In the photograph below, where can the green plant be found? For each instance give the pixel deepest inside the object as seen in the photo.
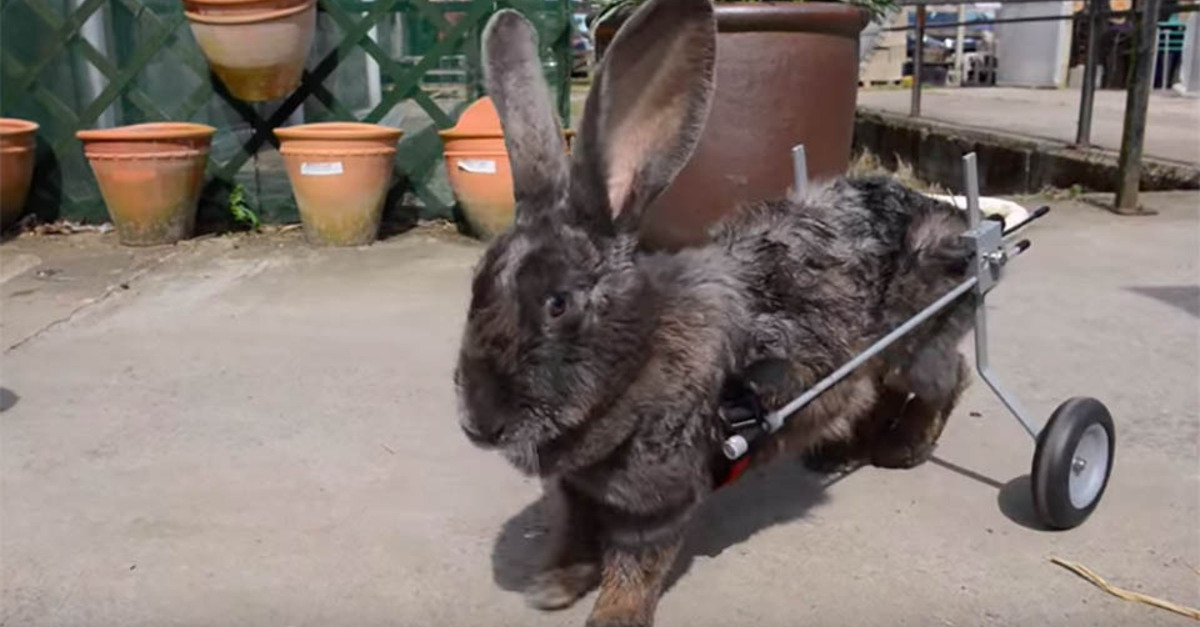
(240, 210)
(877, 8)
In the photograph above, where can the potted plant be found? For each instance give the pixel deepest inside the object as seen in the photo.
(150, 176)
(17, 144)
(256, 47)
(478, 169)
(786, 74)
(340, 173)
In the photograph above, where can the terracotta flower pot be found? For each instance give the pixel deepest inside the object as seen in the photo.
(787, 73)
(340, 173)
(17, 149)
(150, 176)
(478, 168)
(256, 47)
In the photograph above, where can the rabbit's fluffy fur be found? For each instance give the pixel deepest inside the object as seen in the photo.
(599, 367)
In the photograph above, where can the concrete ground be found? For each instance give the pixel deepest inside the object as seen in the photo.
(248, 431)
(1172, 131)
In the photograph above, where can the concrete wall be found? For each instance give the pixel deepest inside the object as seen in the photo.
(1007, 165)
(1033, 54)
(1189, 74)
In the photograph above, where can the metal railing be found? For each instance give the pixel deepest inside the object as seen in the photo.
(1138, 88)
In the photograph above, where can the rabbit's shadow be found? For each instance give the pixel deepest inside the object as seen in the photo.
(779, 493)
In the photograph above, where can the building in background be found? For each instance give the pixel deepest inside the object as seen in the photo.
(1036, 54)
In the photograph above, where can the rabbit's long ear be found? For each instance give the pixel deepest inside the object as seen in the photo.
(646, 110)
(532, 131)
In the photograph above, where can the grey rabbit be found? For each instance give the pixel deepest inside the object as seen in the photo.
(599, 366)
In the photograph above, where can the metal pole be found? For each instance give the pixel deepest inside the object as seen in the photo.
(95, 33)
(959, 35)
(971, 190)
(918, 60)
(374, 82)
(1087, 94)
(799, 171)
(974, 217)
(1164, 48)
(1137, 101)
(1157, 53)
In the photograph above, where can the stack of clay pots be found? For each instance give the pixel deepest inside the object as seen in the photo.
(151, 175)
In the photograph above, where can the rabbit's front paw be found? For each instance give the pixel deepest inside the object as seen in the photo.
(560, 587)
(624, 621)
(835, 458)
(902, 456)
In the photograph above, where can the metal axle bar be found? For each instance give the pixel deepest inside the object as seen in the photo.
(735, 446)
(776, 418)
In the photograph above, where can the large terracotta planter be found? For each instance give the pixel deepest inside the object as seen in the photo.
(150, 176)
(256, 47)
(787, 73)
(18, 144)
(478, 168)
(340, 173)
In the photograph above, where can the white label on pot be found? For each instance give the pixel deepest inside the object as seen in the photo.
(477, 166)
(328, 168)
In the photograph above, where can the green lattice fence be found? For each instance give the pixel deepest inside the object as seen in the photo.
(412, 64)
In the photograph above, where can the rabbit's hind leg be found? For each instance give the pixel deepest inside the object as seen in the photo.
(632, 582)
(909, 439)
(846, 454)
(573, 565)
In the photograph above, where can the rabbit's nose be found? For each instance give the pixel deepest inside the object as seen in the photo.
(482, 435)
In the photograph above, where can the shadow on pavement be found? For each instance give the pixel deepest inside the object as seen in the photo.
(8, 398)
(1015, 498)
(1184, 297)
(776, 494)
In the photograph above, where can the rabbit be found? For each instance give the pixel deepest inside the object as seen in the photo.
(599, 366)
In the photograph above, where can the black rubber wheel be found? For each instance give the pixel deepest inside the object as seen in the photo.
(1072, 463)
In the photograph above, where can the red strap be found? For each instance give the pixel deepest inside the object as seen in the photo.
(736, 470)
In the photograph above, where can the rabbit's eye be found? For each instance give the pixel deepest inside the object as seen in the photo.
(556, 304)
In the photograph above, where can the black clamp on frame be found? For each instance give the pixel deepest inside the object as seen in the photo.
(743, 409)
(743, 418)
